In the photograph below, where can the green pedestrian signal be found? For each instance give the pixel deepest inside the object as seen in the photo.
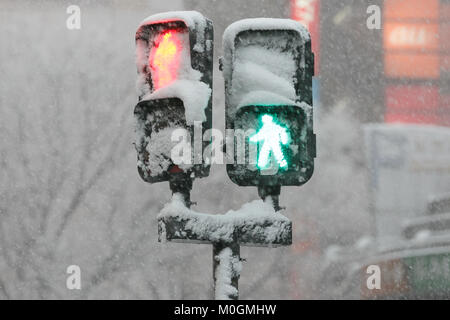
(272, 146)
(273, 137)
(268, 69)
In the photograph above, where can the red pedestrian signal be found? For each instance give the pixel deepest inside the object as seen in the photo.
(165, 58)
(174, 61)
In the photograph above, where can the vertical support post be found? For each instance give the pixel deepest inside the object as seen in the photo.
(183, 185)
(273, 192)
(226, 270)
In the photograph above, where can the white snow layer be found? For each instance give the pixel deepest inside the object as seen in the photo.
(261, 24)
(194, 93)
(192, 19)
(261, 75)
(221, 227)
(229, 267)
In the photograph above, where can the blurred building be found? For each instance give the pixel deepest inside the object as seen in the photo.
(409, 155)
(416, 43)
(397, 74)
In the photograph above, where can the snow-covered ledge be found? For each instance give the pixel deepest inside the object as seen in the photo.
(255, 224)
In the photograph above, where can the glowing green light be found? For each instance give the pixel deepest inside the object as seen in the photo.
(273, 136)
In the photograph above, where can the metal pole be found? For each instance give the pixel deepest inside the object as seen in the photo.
(273, 192)
(226, 270)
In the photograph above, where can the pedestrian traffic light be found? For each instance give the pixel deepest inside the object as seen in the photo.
(174, 62)
(268, 68)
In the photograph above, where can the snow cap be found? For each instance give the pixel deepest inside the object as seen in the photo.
(192, 19)
(261, 75)
(259, 24)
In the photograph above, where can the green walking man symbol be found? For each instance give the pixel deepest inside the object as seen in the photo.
(273, 137)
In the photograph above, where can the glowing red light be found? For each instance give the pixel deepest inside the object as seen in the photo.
(165, 58)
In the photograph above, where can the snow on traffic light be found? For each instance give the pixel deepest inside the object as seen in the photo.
(268, 69)
(174, 52)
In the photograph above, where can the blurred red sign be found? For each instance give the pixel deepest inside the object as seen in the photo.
(411, 9)
(412, 97)
(411, 65)
(307, 12)
(411, 39)
(412, 104)
(395, 117)
(415, 36)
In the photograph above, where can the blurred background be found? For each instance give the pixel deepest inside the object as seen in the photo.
(70, 193)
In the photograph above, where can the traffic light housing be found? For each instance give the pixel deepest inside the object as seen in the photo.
(174, 54)
(268, 68)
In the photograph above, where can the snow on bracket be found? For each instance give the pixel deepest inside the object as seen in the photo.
(255, 224)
